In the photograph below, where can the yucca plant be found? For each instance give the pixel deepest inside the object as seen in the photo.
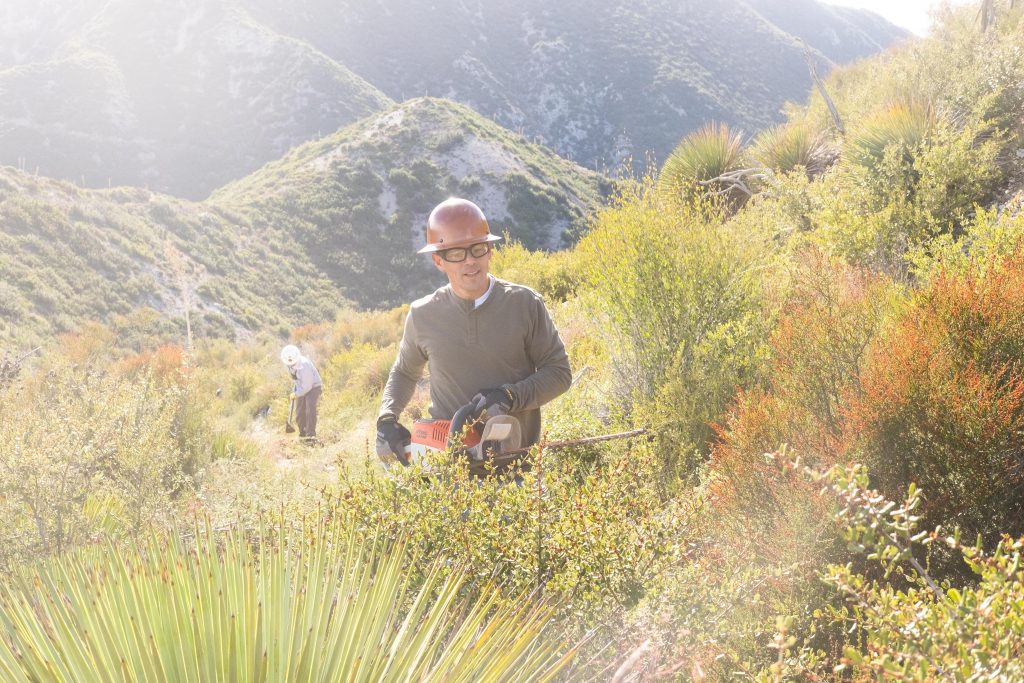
(701, 156)
(783, 148)
(314, 604)
(903, 122)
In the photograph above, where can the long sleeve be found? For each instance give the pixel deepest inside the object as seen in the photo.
(306, 377)
(553, 375)
(406, 371)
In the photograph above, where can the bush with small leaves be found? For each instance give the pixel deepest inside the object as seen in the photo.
(85, 451)
(928, 629)
(679, 298)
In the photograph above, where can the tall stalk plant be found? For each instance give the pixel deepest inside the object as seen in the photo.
(314, 604)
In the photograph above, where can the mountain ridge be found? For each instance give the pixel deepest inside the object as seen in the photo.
(185, 97)
(333, 225)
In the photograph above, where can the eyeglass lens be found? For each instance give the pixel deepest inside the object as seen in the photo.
(459, 253)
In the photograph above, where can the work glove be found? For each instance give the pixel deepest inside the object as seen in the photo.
(392, 437)
(493, 402)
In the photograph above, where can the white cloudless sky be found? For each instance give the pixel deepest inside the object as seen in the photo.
(910, 14)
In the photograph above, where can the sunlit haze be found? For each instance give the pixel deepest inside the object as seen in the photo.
(913, 15)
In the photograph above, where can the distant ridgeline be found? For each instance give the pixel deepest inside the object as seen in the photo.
(333, 223)
(184, 97)
(310, 120)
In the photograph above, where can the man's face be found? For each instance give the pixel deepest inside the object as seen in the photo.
(469, 278)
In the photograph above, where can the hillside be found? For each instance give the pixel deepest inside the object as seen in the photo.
(179, 97)
(843, 34)
(357, 201)
(793, 448)
(334, 222)
(183, 97)
(596, 81)
(122, 256)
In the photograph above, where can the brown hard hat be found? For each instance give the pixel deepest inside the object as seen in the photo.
(456, 223)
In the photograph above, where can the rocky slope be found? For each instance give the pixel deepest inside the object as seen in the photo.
(180, 97)
(597, 80)
(357, 201)
(183, 96)
(334, 223)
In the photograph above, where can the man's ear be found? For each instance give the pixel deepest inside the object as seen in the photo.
(437, 262)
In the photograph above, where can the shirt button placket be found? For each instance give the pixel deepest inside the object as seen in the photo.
(473, 333)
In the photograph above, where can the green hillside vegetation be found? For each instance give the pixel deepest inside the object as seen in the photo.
(828, 361)
(182, 97)
(357, 201)
(140, 261)
(334, 223)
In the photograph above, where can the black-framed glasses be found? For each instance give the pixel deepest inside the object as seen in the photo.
(458, 254)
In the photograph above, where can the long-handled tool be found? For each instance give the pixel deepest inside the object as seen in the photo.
(288, 426)
(497, 443)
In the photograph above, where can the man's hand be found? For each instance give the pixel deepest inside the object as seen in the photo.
(392, 437)
(493, 402)
(292, 396)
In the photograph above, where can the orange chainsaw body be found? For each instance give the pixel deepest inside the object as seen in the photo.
(432, 435)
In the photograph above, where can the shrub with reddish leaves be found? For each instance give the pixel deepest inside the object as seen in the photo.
(941, 401)
(166, 363)
(828, 322)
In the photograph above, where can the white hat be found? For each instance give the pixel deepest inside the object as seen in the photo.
(290, 355)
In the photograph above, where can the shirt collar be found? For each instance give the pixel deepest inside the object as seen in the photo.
(483, 297)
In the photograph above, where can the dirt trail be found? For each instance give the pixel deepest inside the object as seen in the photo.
(316, 465)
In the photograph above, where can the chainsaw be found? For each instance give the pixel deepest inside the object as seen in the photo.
(481, 442)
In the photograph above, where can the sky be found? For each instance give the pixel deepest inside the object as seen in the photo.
(910, 14)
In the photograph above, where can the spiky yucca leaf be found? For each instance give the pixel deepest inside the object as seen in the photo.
(318, 604)
(782, 148)
(902, 122)
(702, 155)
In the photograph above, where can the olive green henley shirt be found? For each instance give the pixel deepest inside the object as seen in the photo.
(509, 339)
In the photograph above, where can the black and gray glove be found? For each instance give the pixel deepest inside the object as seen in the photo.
(493, 402)
(391, 436)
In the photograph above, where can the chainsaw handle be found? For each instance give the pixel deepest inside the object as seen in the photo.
(461, 417)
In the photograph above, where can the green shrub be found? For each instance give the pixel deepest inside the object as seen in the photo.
(927, 630)
(599, 537)
(959, 169)
(552, 274)
(875, 213)
(679, 299)
(990, 238)
(77, 437)
(242, 385)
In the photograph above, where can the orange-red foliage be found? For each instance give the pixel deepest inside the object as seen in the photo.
(167, 363)
(818, 347)
(91, 342)
(942, 401)
(310, 332)
(931, 392)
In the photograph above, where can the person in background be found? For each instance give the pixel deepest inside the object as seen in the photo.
(305, 391)
(487, 341)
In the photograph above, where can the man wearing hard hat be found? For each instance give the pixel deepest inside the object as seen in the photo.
(305, 391)
(486, 341)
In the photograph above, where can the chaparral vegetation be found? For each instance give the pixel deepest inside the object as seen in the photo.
(820, 329)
